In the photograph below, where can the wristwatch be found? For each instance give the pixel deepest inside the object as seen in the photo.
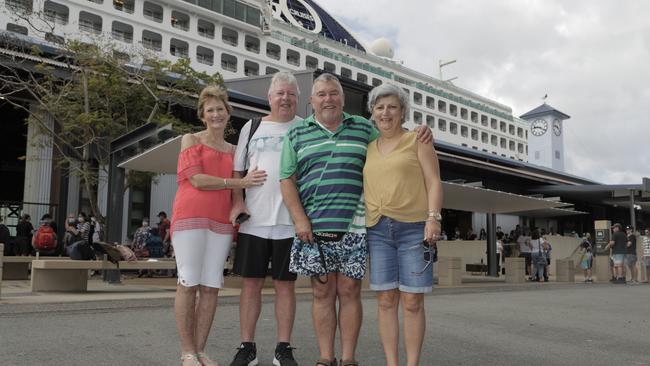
(433, 215)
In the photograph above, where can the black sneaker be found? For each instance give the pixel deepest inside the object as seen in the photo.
(284, 355)
(246, 355)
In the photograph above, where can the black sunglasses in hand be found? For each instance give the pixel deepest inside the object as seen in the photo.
(430, 255)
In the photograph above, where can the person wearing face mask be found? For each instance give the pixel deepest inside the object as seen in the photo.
(71, 235)
(83, 226)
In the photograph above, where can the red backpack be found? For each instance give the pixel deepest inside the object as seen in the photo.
(45, 238)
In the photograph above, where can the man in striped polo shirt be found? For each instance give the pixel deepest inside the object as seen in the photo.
(322, 186)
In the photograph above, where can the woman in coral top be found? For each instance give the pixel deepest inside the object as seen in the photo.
(201, 230)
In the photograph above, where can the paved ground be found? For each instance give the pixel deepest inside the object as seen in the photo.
(532, 324)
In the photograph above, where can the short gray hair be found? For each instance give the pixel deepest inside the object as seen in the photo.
(283, 77)
(326, 77)
(387, 90)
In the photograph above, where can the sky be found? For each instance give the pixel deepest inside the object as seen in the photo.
(592, 58)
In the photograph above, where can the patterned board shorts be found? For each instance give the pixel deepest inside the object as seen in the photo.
(346, 256)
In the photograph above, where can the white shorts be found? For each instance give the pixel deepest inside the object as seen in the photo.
(201, 257)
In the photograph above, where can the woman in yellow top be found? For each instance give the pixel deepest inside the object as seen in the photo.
(403, 193)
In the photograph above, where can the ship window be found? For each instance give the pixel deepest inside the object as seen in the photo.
(180, 20)
(204, 55)
(55, 12)
(122, 32)
(376, 82)
(417, 118)
(346, 73)
(271, 70)
(251, 68)
(520, 148)
(493, 140)
(502, 126)
(463, 113)
(152, 11)
(229, 8)
(151, 40)
(20, 6)
(442, 106)
(453, 110)
(90, 22)
(464, 131)
(520, 132)
(240, 11)
(329, 67)
(293, 57)
(16, 28)
(511, 145)
(473, 117)
(362, 78)
(126, 6)
(417, 98)
(484, 120)
(484, 137)
(273, 50)
(502, 143)
(311, 62)
(511, 129)
(253, 16)
(453, 128)
(121, 56)
(228, 62)
(205, 28)
(493, 123)
(252, 44)
(431, 121)
(474, 134)
(431, 103)
(229, 36)
(442, 125)
(178, 48)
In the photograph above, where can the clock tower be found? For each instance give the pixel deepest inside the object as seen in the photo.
(545, 136)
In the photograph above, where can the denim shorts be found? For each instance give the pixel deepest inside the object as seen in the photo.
(630, 260)
(397, 257)
(618, 259)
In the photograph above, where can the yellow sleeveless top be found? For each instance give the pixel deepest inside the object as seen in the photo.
(393, 184)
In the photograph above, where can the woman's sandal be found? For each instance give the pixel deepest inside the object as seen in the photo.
(190, 357)
(203, 356)
(349, 363)
(324, 362)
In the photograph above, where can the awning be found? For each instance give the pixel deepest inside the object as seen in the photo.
(477, 199)
(161, 159)
(549, 212)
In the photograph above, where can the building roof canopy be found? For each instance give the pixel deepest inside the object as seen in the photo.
(543, 109)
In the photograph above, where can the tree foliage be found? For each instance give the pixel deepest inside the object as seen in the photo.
(83, 96)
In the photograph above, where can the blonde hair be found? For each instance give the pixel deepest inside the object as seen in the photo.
(210, 92)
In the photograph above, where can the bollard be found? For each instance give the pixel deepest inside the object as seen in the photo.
(515, 270)
(601, 269)
(449, 271)
(564, 270)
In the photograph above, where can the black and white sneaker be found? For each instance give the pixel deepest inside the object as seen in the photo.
(284, 355)
(246, 355)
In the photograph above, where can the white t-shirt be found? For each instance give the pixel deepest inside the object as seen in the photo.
(536, 243)
(270, 218)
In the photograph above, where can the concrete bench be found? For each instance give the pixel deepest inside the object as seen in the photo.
(449, 271)
(17, 268)
(70, 275)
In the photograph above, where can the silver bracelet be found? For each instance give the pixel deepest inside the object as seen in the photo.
(225, 183)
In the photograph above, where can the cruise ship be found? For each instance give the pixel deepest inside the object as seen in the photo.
(248, 38)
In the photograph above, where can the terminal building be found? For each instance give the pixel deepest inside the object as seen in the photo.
(497, 168)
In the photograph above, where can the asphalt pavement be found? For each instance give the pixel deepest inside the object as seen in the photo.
(534, 324)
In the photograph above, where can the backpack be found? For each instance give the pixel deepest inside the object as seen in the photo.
(255, 124)
(45, 238)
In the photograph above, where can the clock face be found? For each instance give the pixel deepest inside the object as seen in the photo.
(557, 127)
(538, 127)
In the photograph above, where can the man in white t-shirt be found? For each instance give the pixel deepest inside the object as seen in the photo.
(268, 234)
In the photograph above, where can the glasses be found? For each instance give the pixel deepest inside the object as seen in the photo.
(430, 255)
